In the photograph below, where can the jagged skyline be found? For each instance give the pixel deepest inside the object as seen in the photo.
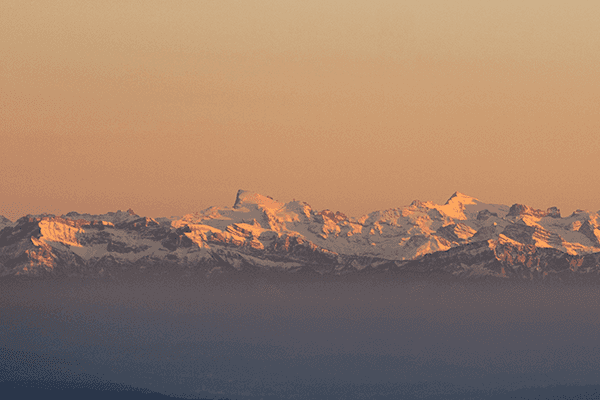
(463, 237)
(549, 210)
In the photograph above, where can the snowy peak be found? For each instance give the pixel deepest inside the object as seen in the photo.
(114, 217)
(461, 206)
(456, 206)
(246, 198)
(299, 207)
(458, 197)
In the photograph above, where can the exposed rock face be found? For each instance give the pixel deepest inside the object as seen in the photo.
(591, 231)
(463, 237)
(520, 233)
(4, 222)
(484, 215)
(553, 212)
(520, 209)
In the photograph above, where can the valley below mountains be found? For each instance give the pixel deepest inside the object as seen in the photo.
(463, 238)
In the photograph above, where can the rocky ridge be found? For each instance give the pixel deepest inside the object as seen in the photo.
(463, 237)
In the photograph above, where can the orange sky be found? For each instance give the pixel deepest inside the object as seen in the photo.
(169, 107)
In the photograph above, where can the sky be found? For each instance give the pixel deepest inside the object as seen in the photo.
(169, 107)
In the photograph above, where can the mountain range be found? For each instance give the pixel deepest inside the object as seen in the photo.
(464, 238)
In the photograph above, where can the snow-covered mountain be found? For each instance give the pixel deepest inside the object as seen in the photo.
(463, 237)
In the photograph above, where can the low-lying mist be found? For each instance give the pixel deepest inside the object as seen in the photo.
(294, 337)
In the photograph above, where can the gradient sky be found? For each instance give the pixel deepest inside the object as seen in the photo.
(169, 107)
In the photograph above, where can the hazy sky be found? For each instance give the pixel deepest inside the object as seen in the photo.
(169, 107)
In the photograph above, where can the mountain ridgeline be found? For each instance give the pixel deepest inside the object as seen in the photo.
(463, 238)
